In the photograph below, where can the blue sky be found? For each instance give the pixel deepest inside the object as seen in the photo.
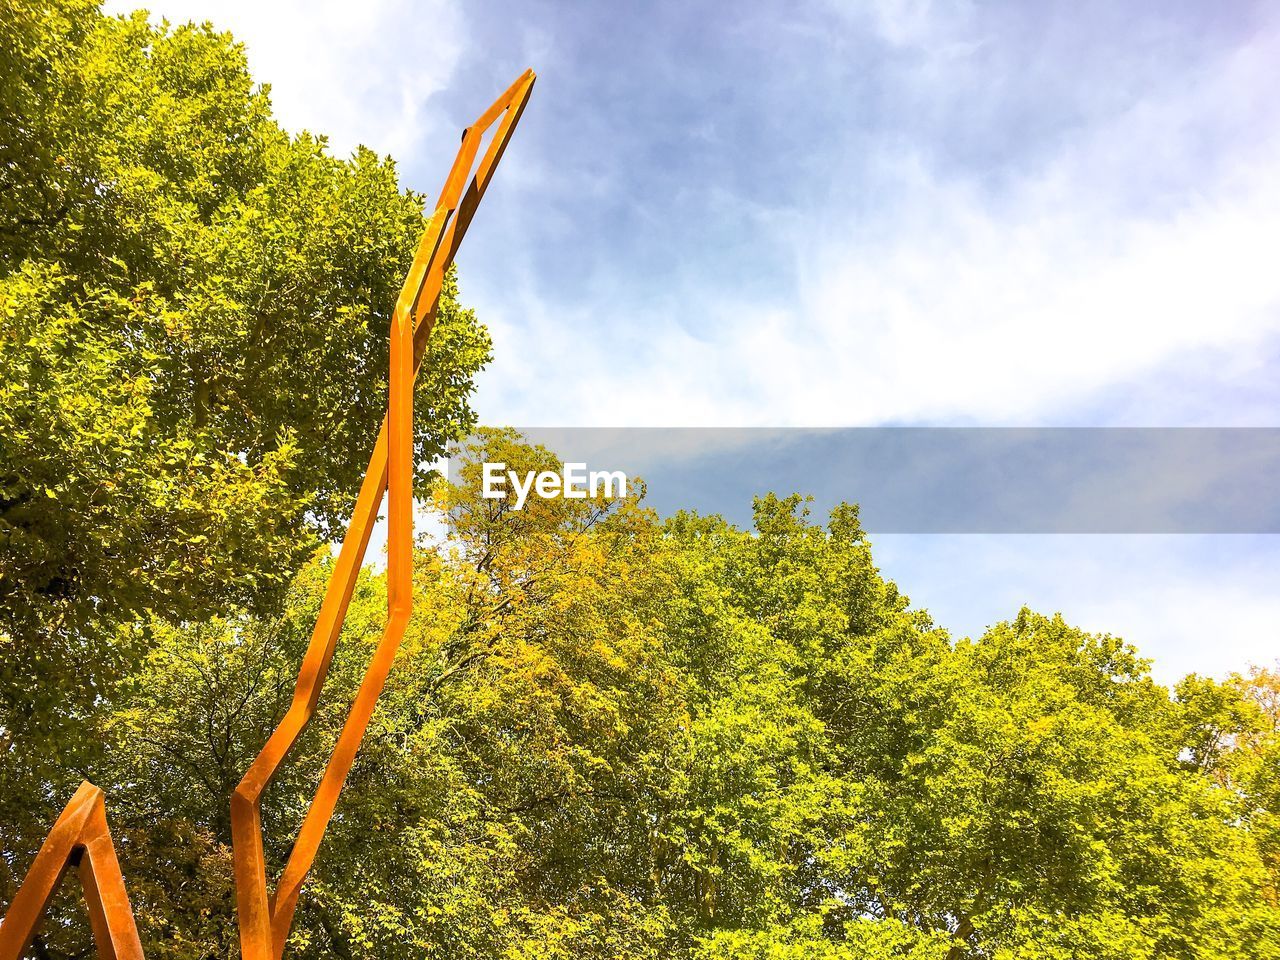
(879, 213)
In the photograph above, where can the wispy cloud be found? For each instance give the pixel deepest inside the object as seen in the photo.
(897, 211)
(917, 273)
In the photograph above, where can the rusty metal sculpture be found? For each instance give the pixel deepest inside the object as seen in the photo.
(80, 836)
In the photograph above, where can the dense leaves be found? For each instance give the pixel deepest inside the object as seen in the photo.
(193, 317)
(609, 736)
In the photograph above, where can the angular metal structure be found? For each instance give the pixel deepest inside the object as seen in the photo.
(80, 837)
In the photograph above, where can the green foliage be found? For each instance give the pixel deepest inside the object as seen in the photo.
(193, 333)
(194, 309)
(608, 736)
(863, 939)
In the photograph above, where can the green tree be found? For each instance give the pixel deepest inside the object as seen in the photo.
(194, 308)
(611, 736)
(498, 804)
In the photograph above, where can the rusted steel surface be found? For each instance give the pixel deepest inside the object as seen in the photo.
(80, 836)
(80, 839)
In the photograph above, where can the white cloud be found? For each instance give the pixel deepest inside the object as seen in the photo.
(358, 72)
(950, 298)
(911, 23)
(957, 310)
(943, 299)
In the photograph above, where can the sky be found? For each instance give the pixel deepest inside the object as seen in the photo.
(881, 213)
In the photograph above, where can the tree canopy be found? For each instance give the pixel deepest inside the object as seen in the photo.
(194, 308)
(612, 736)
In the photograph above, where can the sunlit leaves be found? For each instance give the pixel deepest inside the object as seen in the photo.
(612, 737)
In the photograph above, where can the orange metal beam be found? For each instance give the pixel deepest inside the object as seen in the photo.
(266, 917)
(80, 839)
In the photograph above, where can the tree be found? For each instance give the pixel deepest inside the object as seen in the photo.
(194, 308)
(613, 736)
(193, 317)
